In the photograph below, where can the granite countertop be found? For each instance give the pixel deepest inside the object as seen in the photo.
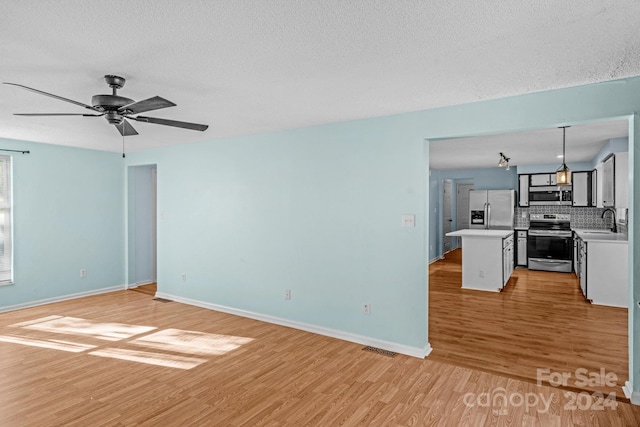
(498, 234)
(604, 236)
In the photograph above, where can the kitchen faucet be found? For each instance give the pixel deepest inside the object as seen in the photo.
(613, 211)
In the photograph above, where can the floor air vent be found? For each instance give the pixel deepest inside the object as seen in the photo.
(161, 299)
(380, 351)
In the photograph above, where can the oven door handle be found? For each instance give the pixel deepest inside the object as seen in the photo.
(550, 261)
(543, 234)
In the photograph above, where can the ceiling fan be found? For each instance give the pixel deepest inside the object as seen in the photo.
(118, 109)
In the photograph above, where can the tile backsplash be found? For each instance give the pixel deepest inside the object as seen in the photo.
(590, 218)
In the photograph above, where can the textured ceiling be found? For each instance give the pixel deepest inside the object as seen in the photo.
(245, 67)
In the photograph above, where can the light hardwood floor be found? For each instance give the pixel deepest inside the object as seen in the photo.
(149, 289)
(540, 320)
(124, 359)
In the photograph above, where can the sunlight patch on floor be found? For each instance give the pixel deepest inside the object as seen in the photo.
(77, 326)
(51, 344)
(166, 342)
(158, 359)
(191, 342)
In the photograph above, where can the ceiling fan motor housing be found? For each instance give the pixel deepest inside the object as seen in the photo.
(110, 105)
(115, 82)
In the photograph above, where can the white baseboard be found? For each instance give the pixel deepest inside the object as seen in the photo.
(633, 396)
(436, 259)
(320, 330)
(61, 298)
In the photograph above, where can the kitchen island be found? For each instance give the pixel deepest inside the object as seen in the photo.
(487, 258)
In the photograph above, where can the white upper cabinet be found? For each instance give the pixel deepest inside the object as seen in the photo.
(615, 181)
(523, 193)
(543, 179)
(581, 188)
(594, 187)
(599, 171)
(622, 180)
(608, 186)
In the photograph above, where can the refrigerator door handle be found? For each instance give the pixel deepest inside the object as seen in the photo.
(487, 207)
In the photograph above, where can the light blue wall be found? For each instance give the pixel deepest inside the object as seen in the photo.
(616, 145)
(318, 210)
(553, 167)
(68, 215)
(484, 179)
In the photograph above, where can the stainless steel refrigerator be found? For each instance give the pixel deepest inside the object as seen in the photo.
(491, 209)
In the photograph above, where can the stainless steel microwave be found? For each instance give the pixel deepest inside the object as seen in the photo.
(551, 195)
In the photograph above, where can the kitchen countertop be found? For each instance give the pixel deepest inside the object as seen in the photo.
(497, 234)
(599, 236)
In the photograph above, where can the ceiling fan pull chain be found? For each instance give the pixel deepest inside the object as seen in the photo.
(123, 139)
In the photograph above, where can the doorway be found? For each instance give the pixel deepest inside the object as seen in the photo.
(539, 284)
(447, 217)
(462, 206)
(142, 225)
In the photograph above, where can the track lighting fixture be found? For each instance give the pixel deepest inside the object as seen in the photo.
(504, 161)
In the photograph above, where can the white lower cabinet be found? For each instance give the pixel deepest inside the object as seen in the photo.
(583, 268)
(607, 275)
(507, 259)
(602, 269)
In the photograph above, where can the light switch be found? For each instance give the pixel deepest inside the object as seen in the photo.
(408, 220)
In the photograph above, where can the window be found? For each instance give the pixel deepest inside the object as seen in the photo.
(6, 253)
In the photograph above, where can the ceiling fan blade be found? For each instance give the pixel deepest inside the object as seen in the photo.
(174, 123)
(149, 104)
(54, 96)
(126, 129)
(59, 114)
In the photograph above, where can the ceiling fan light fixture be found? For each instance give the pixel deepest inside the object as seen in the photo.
(563, 174)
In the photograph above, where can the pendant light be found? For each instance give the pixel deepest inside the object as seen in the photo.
(563, 174)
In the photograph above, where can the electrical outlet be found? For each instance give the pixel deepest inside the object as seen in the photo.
(184, 277)
(481, 273)
(366, 309)
(287, 294)
(83, 273)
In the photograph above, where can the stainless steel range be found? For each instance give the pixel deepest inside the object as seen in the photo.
(550, 242)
